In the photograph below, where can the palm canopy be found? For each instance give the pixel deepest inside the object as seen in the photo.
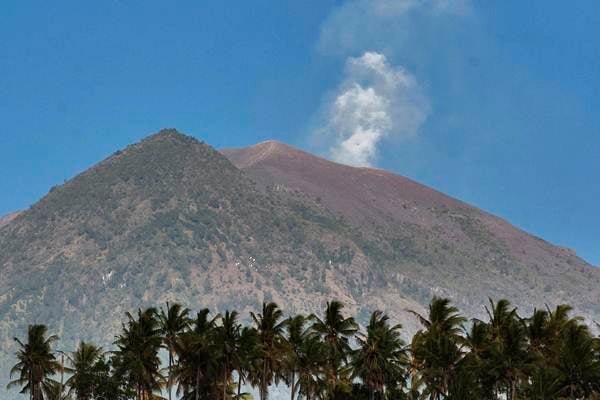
(578, 362)
(311, 368)
(83, 361)
(296, 334)
(335, 330)
(197, 370)
(248, 352)
(269, 325)
(138, 347)
(36, 362)
(296, 330)
(442, 317)
(55, 391)
(172, 321)
(227, 343)
(436, 349)
(381, 358)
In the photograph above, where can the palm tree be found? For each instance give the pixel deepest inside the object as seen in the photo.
(248, 352)
(196, 353)
(464, 384)
(335, 330)
(83, 361)
(381, 359)
(228, 344)
(578, 362)
(195, 363)
(36, 362)
(108, 382)
(269, 327)
(559, 318)
(437, 349)
(545, 383)
(55, 391)
(538, 333)
(173, 322)
(442, 317)
(311, 367)
(509, 354)
(296, 334)
(138, 347)
(476, 363)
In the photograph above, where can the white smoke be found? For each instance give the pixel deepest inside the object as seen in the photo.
(358, 25)
(376, 100)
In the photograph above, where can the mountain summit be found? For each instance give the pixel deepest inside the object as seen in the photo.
(171, 218)
(430, 242)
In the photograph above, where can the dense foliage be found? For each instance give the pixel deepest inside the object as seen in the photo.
(548, 355)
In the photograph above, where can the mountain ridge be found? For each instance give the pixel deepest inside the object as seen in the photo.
(8, 218)
(166, 203)
(244, 158)
(348, 191)
(171, 219)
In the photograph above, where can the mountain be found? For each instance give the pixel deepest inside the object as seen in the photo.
(429, 243)
(171, 218)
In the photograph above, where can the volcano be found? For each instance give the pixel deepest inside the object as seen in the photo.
(172, 219)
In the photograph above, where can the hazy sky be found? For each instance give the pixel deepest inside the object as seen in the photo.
(493, 102)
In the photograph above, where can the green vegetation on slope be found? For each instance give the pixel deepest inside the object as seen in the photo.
(167, 218)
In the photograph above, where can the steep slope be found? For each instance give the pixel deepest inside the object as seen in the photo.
(170, 218)
(436, 243)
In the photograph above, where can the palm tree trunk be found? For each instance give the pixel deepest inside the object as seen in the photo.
(239, 388)
(293, 387)
(197, 390)
(225, 384)
(169, 384)
(62, 374)
(513, 389)
(263, 384)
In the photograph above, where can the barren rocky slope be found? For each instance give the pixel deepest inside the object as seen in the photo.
(439, 244)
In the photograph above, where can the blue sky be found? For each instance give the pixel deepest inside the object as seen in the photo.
(493, 102)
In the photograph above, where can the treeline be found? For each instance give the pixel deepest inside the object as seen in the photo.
(548, 355)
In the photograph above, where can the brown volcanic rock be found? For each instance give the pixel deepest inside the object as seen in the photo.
(462, 252)
(360, 194)
(368, 196)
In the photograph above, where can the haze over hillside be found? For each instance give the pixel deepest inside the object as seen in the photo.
(170, 218)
